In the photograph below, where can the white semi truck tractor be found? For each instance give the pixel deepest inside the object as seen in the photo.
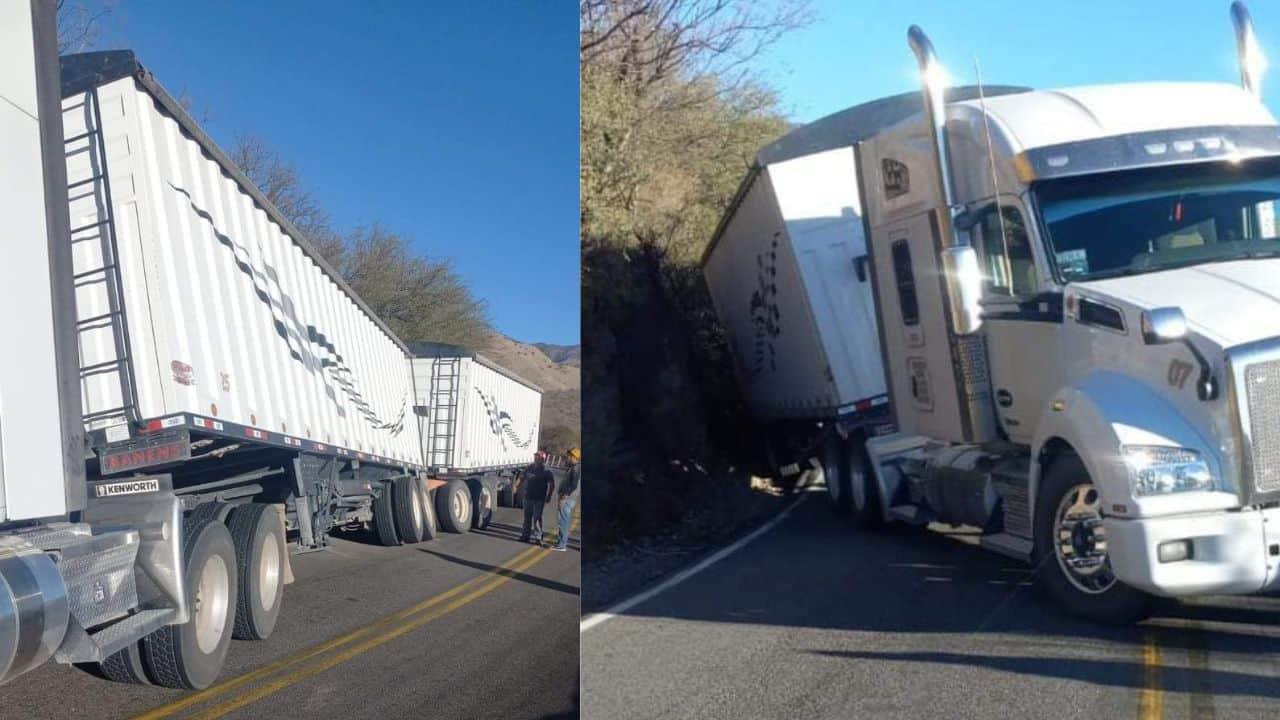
(188, 389)
(1052, 315)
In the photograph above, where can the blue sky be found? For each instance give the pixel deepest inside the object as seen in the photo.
(857, 51)
(454, 124)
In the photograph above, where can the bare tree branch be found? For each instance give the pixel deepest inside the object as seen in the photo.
(79, 26)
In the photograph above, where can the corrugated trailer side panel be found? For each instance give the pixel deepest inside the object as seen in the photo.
(228, 316)
(759, 296)
(498, 419)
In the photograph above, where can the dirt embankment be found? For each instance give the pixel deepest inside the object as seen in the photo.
(671, 451)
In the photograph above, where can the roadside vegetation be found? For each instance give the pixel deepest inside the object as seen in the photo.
(672, 114)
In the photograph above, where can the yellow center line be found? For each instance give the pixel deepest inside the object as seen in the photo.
(1151, 699)
(338, 658)
(224, 687)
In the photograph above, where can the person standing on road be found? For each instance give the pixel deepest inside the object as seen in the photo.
(568, 497)
(539, 483)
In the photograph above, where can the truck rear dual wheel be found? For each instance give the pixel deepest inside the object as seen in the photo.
(835, 475)
(431, 527)
(482, 501)
(454, 506)
(408, 500)
(1071, 555)
(384, 518)
(125, 666)
(864, 493)
(256, 531)
(190, 655)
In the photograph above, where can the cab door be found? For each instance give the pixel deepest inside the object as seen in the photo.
(1022, 316)
(939, 380)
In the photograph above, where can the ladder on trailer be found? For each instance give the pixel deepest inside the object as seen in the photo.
(444, 410)
(103, 230)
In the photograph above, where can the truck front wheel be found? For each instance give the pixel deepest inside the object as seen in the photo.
(190, 656)
(1071, 550)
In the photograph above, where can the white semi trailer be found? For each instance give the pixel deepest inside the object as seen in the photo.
(1050, 315)
(477, 421)
(189, 389)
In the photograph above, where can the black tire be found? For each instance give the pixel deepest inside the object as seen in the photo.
(454, 506)
(867, 513)
(1117, 603)
(124, 666)
(431, 526)
(407, 503)
(482, 501)
(172, 655)
(835, 474)
(260, 556)
(384, 519)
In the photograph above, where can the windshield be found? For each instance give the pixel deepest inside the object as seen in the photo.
(1153, 219)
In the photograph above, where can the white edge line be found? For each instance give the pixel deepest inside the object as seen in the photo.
(597, 618)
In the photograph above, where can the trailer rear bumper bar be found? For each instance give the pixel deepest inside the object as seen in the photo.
(1226, 552)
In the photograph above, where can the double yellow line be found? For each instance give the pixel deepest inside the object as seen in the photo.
(1151, 698)
(331, 653)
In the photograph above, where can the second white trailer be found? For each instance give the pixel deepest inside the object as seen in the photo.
(474, 416)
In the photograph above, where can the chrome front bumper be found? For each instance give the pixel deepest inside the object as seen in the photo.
(1233, 553)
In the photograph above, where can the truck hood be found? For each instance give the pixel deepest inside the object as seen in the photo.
(1229, 303)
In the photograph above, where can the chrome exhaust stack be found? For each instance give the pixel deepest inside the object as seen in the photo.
(933, 88)
(1248, 54)
(958, 259)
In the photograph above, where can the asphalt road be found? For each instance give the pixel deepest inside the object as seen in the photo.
(817, 620)
(434, 630)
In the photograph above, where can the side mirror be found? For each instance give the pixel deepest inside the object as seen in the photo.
(965, 220)
(963, 275)
(1163, 325)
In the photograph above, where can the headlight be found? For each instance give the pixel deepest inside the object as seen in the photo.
(1159, 470)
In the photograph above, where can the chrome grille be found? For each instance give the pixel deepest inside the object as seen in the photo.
(1262, 397)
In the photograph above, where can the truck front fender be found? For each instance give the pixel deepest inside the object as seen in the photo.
(1094, 418)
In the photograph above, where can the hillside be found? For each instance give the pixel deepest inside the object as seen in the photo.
(561, 383)
(562, 354)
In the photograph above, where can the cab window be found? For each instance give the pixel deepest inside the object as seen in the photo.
(1008, 265)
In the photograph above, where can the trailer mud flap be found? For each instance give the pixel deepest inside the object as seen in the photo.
(162, 448)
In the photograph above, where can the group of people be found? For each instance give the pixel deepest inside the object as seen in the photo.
(539, 486)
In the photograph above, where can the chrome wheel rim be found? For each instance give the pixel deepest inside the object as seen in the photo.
(212, 601)
(417, 510)
(1080, 540)
(459, 507)
(269, 572)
